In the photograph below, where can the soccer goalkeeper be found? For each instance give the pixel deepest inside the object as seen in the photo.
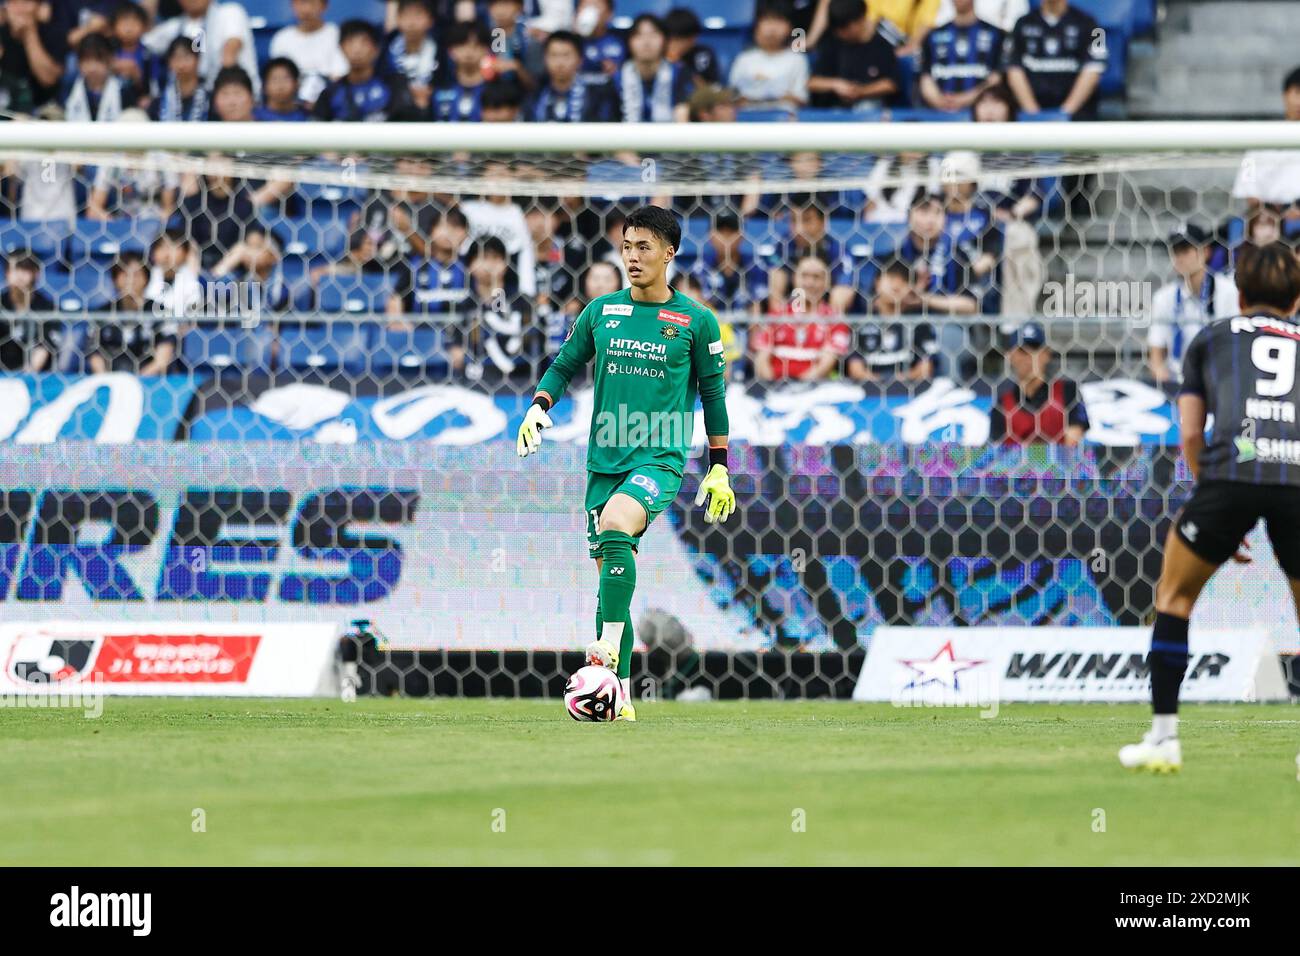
(654, 348)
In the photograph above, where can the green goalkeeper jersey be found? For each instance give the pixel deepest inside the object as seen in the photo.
(650, 361)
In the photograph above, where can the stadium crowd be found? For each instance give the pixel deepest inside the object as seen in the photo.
(481, 289)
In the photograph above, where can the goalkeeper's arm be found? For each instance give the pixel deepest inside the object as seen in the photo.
(577, 350)
(715, 490)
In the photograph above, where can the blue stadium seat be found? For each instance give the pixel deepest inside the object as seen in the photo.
(418, 349)
(816, 114)
(753, 115)
(366, 292)
(95, 239)
(273, 13)
(214, 347)
(262, 37)
(695, 233)
(1045, 116)
(1112, 14)
(727, 44)
(1113, 80)
(629, 10)
(1144, 17)
(310, 238)
(330, 347)
(340, 10)
(908, 68)
(918, 115)
(84, 289)
(42, 239)
(329, 195)
(721, 14)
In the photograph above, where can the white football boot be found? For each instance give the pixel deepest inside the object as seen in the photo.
(1164, 755)
(602, 654)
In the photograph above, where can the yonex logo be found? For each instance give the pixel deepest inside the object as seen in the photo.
(612, 324)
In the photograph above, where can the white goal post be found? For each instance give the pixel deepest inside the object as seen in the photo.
(1183, 136)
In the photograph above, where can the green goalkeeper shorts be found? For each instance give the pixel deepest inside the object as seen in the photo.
(653, 486)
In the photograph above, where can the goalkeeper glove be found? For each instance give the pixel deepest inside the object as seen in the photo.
(530, 430)
(717, 490)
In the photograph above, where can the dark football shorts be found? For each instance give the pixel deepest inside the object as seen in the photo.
(1219, 514)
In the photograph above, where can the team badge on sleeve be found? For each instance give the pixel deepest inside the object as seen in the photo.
(715, 348)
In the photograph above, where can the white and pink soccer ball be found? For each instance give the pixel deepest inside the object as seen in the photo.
(593, 694)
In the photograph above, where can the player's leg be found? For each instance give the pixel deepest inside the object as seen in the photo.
(1205, 534)
(640, 496)
(599, 489)
(621, 522)
(1282, 518)
(1295, 597)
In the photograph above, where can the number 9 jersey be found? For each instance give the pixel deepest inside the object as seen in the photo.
(1246, 370)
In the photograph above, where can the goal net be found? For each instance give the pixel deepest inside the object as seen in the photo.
(267, 376)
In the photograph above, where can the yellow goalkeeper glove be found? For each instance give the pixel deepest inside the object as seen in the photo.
(717, 490)
(529, 439)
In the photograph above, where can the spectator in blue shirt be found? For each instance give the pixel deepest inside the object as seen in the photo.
(727, 271)
(411, 53)
(973, 226)
(684, 46)
(96, 92)
(280, 78)
(567, 95)
(603, 51)
(232, 96)
(461, 99)
(133, 61)
(938, 270)
(959, 60)
(652, 89)
(514, 55)
(438, 284)
(1054, 60)
(362, 94)
(181, 98)
(942, 278)
(808, 238)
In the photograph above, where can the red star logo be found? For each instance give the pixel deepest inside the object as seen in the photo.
(941, 669)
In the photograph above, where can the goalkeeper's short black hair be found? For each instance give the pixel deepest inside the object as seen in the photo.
(658, 221)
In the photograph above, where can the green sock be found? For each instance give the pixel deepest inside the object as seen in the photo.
(617, 584)
(599, 619)
(625, 649)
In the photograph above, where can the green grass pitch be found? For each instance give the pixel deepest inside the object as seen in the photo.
(516, 782)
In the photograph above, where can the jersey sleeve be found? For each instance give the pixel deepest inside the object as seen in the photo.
(711, 373)
(577, 351)
(1194, 365)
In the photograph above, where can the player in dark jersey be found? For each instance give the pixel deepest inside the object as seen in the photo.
(1243, 370)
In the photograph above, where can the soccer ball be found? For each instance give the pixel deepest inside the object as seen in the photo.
(593, 694)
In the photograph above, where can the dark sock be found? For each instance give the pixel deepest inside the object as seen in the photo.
(1167, 662)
